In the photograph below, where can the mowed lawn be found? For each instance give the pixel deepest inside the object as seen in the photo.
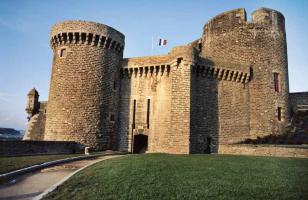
(163, 176)
(8, 164)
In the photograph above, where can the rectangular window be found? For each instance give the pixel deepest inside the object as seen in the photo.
(114, 85)
(148, 113)
(134, 114)
(277, 82)
(112, 118)
(62, 53)
(279, 114)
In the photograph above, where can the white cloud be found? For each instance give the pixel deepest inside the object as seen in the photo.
(15, 25)
(4, 97)
(5, 119)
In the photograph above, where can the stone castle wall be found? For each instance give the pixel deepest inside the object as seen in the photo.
(298, 101)
(215, 91)
(165, 81)
(25, 148)
(265, 150)
(141, 81)
(82, 100)
(249, 109)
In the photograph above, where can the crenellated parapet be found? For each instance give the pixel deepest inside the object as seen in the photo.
(158, 65)
(161, 65)
(262, 19)
(86, 33)
(224, 22)
(269, 17)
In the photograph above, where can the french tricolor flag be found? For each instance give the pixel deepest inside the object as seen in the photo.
(162, 42)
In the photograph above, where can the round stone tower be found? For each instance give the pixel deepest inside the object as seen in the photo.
(259, 45)
(83, 95)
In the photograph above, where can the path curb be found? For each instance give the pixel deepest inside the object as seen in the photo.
(16, 173)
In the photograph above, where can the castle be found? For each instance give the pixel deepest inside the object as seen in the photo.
(228, 85)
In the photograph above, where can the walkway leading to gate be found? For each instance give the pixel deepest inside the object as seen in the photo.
(32, 185)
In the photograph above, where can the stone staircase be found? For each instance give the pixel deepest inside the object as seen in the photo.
(36, 127)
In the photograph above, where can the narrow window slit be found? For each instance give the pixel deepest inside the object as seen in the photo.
(148, 113)
(279, 114)
(277, 82)
(134, 114)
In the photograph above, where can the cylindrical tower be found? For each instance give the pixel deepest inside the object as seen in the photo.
(271, 73)
(82, 103)
(261, 46)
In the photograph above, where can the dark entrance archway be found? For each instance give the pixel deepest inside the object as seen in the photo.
(140, 143)
(208, 145)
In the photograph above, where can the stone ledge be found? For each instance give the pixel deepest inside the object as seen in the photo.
(298, 151)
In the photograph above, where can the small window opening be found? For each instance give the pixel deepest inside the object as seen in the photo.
(277, 82)
(279, 114)
(148, 113)
(62, 53)
(112, 118)
(178, 61)
(114, 85)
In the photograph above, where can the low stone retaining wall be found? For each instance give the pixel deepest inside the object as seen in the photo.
(265, 150)
(19, 148)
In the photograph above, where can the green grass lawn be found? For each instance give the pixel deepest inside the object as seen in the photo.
(163, 176)
(8, 164)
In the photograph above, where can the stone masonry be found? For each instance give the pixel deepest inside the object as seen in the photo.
(229, 85)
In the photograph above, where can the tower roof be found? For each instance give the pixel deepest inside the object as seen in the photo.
(33, 92)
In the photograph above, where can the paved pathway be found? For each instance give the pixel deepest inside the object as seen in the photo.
(33, 184)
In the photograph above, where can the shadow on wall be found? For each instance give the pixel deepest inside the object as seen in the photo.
(204, 122)
(125, 128)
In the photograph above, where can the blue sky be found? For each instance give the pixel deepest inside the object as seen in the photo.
(25, 55)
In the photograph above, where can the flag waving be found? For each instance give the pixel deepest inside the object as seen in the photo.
(162, 42)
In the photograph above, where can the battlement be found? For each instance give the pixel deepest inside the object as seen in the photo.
(188, 53)
(86, 33)
(270, 17)
(265, 14)
(146, 60)
(227, 21)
